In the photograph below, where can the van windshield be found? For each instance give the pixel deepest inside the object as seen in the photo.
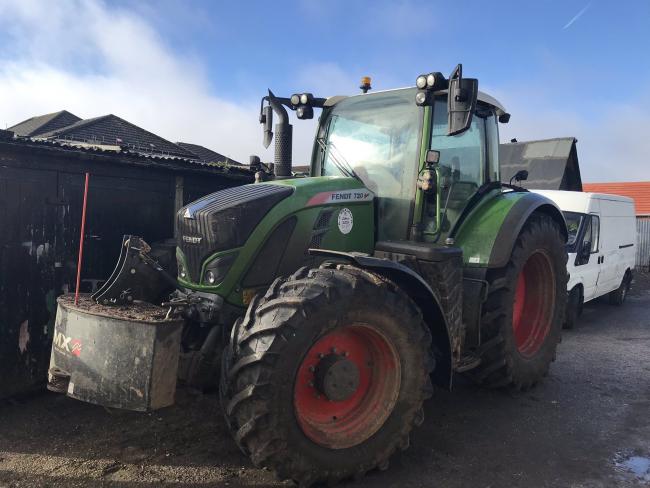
(573, 223)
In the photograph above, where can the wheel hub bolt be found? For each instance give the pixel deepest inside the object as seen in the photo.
(337, 378)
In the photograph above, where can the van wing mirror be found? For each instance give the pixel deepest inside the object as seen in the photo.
(461, 101)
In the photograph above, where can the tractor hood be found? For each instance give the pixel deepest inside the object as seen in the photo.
(241, 238)
(223, 220)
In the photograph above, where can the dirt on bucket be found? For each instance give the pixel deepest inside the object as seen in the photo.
(136, 311)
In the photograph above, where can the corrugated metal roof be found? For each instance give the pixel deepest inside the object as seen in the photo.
(639, 191)
(643, 242)
(124, 155)
(204, 154)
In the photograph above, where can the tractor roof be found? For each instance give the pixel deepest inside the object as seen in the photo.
(482, 97)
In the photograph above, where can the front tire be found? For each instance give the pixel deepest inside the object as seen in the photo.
(523, 316)
(326, 374)
(573, 308)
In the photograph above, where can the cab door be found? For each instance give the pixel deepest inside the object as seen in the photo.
(587, 261)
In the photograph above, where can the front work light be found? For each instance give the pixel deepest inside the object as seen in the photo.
(305, 112)
(423, 97)
(295, 99)
(427, 84)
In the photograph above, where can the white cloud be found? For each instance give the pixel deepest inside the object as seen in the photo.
(612, 140)
(111, 61)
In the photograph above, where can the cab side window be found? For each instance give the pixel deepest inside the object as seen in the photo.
(590, 239)
(586, 238)
(595, 233)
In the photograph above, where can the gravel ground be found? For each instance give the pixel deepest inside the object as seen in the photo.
(587, 425)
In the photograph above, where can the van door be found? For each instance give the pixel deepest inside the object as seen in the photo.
(587, 261)
(608, 255)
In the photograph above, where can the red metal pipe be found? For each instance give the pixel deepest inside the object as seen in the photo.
(81, 239)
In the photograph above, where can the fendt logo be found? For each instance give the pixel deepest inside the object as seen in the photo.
(192, 239)
(67, 344)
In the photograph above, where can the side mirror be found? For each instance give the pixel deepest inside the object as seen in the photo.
(461, 101)
(521, 175)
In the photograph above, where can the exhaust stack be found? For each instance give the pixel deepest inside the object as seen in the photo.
(283, 136)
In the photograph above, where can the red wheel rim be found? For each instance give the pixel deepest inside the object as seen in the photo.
(348, 422)
(532, 311)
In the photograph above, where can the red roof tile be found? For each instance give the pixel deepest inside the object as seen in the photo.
(639, 191)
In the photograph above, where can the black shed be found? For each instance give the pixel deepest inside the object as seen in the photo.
(41, 191)
(552, 164)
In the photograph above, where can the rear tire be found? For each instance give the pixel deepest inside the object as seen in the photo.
(523, 316)
(272, 392)
(618, 296)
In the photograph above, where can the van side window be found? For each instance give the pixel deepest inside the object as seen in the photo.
(586, 238)
(595, 233)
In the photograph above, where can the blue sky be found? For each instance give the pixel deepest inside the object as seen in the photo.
(195, 70)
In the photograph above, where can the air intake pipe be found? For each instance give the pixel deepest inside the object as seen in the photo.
(283, 135)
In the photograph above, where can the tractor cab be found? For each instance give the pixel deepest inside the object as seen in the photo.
(423, 177)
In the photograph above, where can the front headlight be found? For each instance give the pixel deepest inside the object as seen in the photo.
(217, 269)
(210, 277)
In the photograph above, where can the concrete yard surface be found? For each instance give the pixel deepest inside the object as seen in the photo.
(586, 425)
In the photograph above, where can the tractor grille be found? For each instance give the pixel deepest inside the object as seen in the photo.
(223, 220)
(321, 226)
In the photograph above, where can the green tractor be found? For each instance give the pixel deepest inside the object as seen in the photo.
(335, 302)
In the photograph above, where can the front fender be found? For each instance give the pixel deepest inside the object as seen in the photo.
(488, 234)
(421, 293)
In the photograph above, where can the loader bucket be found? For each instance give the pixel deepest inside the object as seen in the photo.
(136, 276)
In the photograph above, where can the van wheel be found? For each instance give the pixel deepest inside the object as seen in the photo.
(573, 308)
(617, 297)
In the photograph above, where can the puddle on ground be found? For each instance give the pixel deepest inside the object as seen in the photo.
(639, 466)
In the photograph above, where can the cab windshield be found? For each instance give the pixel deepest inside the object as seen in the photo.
(377, 137)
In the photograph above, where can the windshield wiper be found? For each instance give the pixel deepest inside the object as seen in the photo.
(337, 158)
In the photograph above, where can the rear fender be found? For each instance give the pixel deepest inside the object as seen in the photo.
(489, 233)
(421, 293)
(514, 222)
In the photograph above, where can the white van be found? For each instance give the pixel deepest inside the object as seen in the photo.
(601, 246)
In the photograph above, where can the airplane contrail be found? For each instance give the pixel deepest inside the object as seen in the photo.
(577, 16)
